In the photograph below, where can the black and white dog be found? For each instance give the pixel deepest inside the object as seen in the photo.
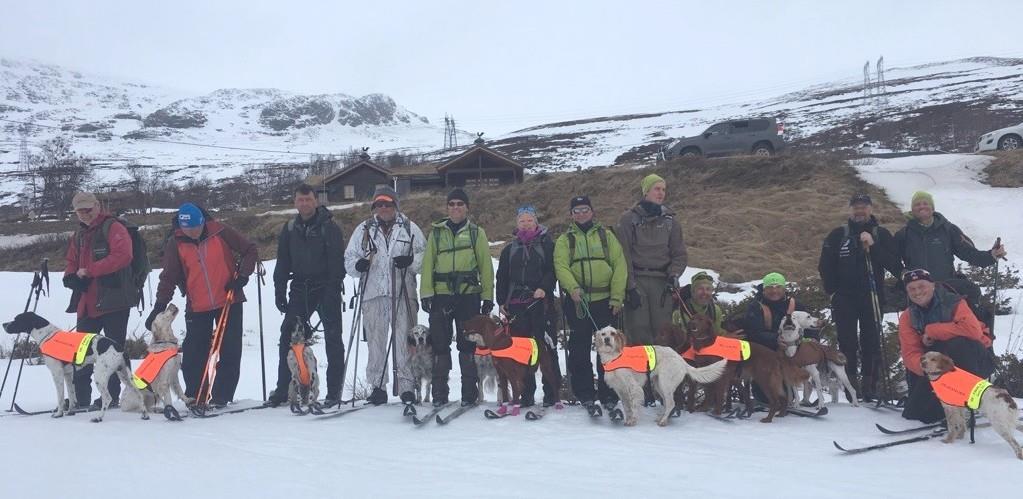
(105, 354)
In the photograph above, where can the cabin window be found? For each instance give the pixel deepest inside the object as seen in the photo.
(349, 191)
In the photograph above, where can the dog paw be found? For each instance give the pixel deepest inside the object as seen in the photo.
(949, 439)
(96, 419)
(630, 422)
(145, 417)
(662, 422)
(766, 420)
(57, 414)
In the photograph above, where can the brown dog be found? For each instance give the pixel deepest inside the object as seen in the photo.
(765, 367)
(488, 333)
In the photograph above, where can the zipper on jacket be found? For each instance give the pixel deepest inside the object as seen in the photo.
(200, 248)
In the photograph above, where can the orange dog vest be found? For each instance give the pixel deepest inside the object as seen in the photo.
(154, 361)
(303, 370)
(482, 351)
(68, 346)
(641, 359)
(522, 350)
(960, 388)
(732, 349)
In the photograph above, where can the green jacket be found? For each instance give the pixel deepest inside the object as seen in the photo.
(682, 319)
(457, 261)
(600, 275)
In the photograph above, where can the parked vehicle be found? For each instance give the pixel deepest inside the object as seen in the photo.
(1005, 139)
(757, 136)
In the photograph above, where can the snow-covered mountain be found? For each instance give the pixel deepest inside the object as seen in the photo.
(115, 122)
(944, 105)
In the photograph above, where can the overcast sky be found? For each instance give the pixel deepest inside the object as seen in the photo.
(497, 68)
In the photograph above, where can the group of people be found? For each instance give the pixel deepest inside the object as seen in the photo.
(626, 274)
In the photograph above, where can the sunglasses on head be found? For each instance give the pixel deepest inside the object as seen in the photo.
(581, 210)
(455, 203)
(915, 275)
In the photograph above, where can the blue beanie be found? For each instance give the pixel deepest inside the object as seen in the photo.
(190, 216)
(526, 208)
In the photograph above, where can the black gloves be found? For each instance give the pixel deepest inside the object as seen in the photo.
(237, 284)
(362, 265)
(402, 261)
(426, 304)
(487, 307)
(281, 300)
(632, 299)
(75, 283)
(157, 308)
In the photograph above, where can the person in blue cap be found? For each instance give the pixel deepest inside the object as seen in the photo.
(207, 260)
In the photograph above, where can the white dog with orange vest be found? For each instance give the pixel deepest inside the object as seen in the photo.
(157, 376)
(64, 350)
(627, 369)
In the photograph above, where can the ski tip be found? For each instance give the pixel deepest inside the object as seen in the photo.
(440, 420)
(839, 447)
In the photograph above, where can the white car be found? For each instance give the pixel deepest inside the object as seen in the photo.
(1005, 139)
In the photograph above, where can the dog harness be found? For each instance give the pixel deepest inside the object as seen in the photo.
(522, 350)
(303, 370)
(641, 359)
(732, 349)
(960, 388)
(482, 351)
(151, 366)
(70, 347)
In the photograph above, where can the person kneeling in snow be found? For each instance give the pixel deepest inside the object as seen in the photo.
(938, 320)
(765, 313)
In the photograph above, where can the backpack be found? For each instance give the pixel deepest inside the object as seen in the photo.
(602, 233)
(140, 266)
(970, 293)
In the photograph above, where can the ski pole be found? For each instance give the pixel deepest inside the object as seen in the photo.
(38, 280)
(260, 273)
(886, 382)
(356, 324)
(994, 291)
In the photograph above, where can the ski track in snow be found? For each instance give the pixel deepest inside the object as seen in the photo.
(271, 452)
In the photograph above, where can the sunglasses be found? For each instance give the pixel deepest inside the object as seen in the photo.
(383, 204)
(581, 210)
(455, 203)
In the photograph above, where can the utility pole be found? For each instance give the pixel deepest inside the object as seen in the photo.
(866, 82)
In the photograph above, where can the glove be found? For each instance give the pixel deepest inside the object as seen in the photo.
(75, 283)
(237, 284)
(632, 299)
(402, 261)
(487, 307)
(362, 265)
(427, 304)
(157, 308)
(281, 300)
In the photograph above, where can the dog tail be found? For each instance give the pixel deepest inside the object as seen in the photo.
(707, 374)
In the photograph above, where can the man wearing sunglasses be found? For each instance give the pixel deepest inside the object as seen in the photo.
(592, 272)
(385, 254)
(938, 320)
(457, 274)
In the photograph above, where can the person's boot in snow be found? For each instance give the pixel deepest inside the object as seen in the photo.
(867, 389)
(378, 397)
(276, 398)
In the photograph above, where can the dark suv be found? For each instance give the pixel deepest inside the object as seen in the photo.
(758, 136)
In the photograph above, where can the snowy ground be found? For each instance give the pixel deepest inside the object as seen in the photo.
(272, 452)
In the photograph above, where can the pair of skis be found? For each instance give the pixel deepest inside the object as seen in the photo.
(435, 414)
(936, 430)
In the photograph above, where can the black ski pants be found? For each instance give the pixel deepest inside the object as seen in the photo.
(444, 310)
(195, 351)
